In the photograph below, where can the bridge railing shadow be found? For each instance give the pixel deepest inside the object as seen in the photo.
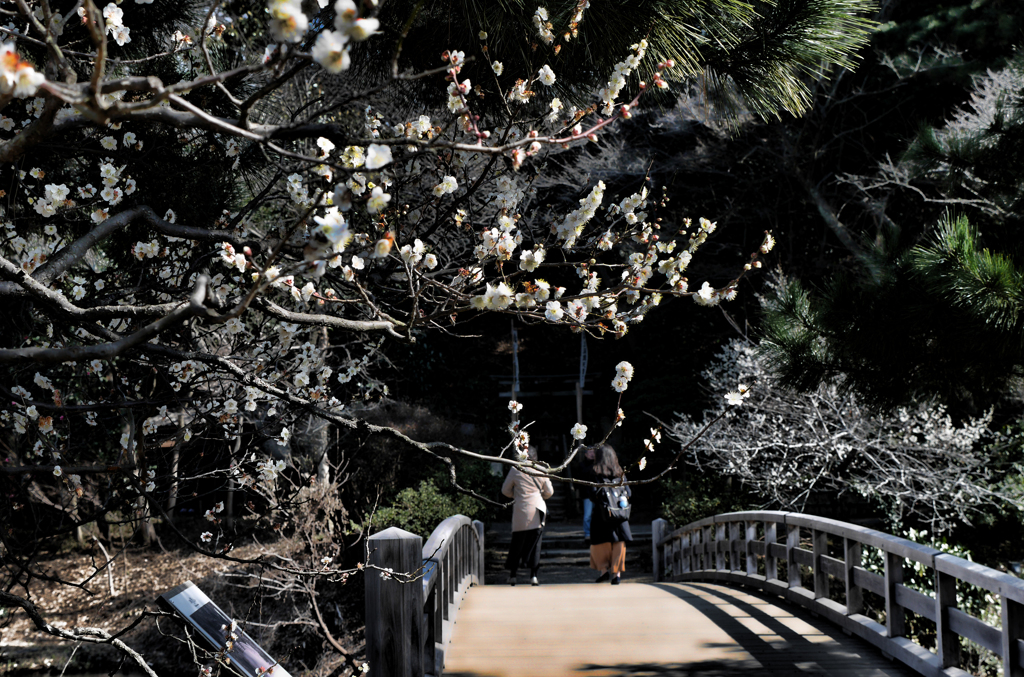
(729, 609)
(414, 591)
(745, 548)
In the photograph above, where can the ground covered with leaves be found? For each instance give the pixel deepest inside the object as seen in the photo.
(276, 614)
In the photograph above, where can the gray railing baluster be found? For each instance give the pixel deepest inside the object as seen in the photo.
(895, 621)
(749, 547)
(852, 558)
(720, 541)
(819, 540)
(792, 568)
(771, 562)
(1013, 627)
(947, 640)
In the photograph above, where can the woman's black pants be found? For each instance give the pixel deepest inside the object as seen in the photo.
(524, 550)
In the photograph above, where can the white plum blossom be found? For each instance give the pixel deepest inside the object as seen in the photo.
(288, 23)
(377, 156)
(378, 200)
(579, 431)
(448, 185)
(530, 259)
(546, 75)
(331, 52)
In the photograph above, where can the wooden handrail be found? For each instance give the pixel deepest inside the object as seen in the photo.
(737, 546)
(413, 594)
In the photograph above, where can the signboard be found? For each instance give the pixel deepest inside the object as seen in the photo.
(222, 635)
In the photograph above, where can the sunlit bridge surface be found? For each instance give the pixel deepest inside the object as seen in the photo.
(679, 629)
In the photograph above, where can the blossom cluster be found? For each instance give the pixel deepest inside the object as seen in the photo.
(331, 50)
(17, 77)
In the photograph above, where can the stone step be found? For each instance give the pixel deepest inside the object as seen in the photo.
(581, 557)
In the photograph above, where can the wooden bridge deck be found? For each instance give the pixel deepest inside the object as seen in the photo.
(664, 629)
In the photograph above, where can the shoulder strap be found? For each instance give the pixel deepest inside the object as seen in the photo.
(535, 482)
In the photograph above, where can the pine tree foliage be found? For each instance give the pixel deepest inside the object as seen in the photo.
(978, 156)
(929, 309)
(940, 319)
(763, 53)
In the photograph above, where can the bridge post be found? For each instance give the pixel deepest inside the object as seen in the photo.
(895, 619)
(708, 543)
(1013, 630)
(749, 543)
(394, 609)
(735, 544)
(685, 559)
(481, 559)
(658, 532)
(820, 546)
(854, 594)
(721, 540)
(948, 642)
(792, 545)
(771, 562)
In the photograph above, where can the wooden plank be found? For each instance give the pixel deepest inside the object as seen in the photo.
(869, 580)
(833, 567)
(981, 576)
(976, 630)
(918, 602)
(805, 557)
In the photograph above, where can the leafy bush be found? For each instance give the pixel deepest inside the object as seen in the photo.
(688, 500)
(420, 509)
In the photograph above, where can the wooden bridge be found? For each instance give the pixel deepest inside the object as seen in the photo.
(767, 592)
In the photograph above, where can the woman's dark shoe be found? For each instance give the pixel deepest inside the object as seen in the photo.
(534, 581)
(512, 580)
(603, 577)
(615, 581)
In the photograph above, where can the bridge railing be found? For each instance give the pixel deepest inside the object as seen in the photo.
(413, 594)
(749, 547)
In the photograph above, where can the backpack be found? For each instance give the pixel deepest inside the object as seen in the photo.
(615, 503)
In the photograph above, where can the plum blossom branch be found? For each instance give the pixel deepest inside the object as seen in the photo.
(194, 308)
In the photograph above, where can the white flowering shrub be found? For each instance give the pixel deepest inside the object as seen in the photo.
(918, 465)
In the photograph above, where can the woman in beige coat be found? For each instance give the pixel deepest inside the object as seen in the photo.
(528, 507)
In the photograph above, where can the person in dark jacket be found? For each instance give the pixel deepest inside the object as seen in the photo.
(608, 537)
